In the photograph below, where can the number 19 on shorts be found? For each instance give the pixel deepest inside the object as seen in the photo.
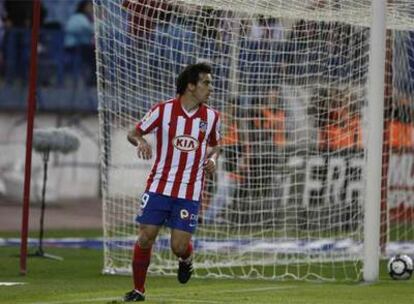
(144, 202)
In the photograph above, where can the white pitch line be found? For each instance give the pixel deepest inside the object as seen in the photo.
(119, 300)
(186, 301)
(82, 301)
(255, 289)
(11, 283)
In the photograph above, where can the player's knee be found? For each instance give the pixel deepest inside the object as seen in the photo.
(178, 248)
(145, 241)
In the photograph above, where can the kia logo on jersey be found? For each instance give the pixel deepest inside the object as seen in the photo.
(185, 143)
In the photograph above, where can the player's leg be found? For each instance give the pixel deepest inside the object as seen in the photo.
(183, 222)
(151, 217)
(182, 247)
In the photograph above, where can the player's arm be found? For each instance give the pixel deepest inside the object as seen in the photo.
(144, 149)
(214, 149)
(147, 124)
(213, 153)
(211, 160)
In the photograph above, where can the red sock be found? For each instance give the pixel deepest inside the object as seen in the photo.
(188, 252)
(140, 263)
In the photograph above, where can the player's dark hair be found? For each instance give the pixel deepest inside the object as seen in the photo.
(81, 7)
(191, 74)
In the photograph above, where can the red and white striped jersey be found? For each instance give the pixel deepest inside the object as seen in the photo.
(181, 144)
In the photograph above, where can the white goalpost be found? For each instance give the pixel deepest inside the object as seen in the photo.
(374, 153)
(315, 178)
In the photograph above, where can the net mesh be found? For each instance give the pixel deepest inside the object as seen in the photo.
(290, 80)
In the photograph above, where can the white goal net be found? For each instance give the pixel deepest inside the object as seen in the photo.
(290, 80)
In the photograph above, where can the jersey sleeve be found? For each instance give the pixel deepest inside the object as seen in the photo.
(150, 121)
(216, 132)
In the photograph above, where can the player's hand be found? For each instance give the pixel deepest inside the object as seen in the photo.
(210, 165)
(144, 149)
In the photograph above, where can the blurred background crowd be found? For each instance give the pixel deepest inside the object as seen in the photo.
(273, 54)
(66, 50)
(277, 67)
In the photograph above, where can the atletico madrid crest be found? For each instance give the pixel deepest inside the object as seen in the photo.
(203, 126)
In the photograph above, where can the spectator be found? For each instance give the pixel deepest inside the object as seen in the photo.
(230, 175)
(16, 48)
(270, 117)
(300, 126)
(171, 49)
(58, 12)
(2, 30)
(176, 35)
(225, 20)
(343, 127)
(143, 15)
(400, 126)
(19, 14)
(79, 42)
(267, 28)
(264, 131)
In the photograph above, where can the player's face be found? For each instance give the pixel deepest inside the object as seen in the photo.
(203, 89)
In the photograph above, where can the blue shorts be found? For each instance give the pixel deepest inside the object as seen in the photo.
(176, 213)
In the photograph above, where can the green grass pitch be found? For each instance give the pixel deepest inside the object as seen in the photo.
(78, 279)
